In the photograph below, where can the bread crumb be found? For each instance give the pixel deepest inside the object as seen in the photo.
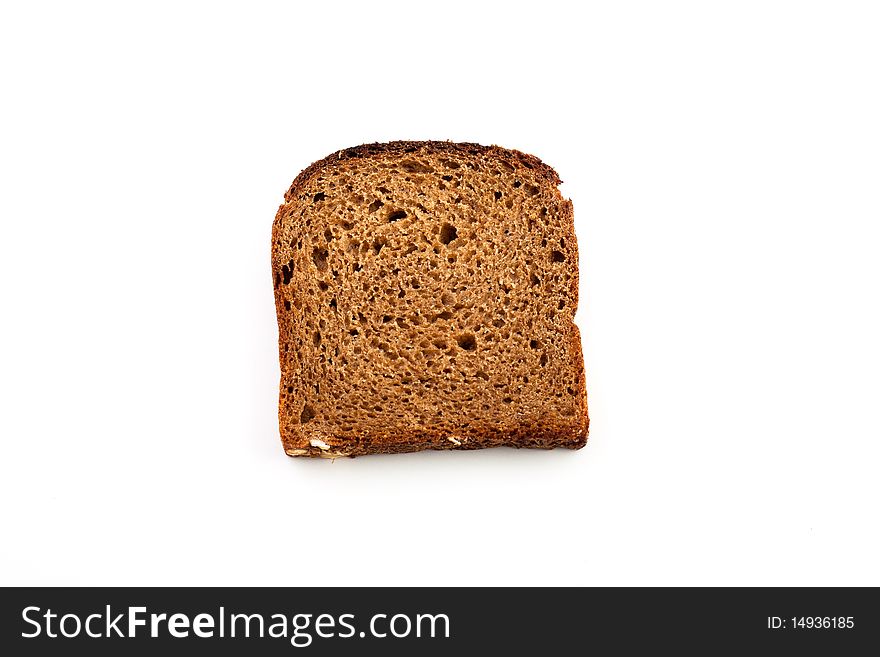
(453, 439)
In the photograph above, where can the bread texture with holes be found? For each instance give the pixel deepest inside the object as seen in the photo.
(425, 294)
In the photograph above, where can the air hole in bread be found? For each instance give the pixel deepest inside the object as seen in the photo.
(557, 256)
(319, 257)
(287, 272)
(396, 215)
(320, 196)
(375, 205)
(286, 304)
(412, 166)
(308, 413)
(448, 232)
(467, 341)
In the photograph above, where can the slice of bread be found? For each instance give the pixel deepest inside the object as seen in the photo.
(425, 294)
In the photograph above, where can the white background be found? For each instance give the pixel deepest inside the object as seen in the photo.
(723, 159)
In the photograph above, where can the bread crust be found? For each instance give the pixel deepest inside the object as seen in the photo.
(548, 435)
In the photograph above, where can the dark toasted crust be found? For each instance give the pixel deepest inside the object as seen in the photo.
(547, 436)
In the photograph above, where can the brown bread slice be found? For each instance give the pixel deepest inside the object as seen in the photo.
(425, 294)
